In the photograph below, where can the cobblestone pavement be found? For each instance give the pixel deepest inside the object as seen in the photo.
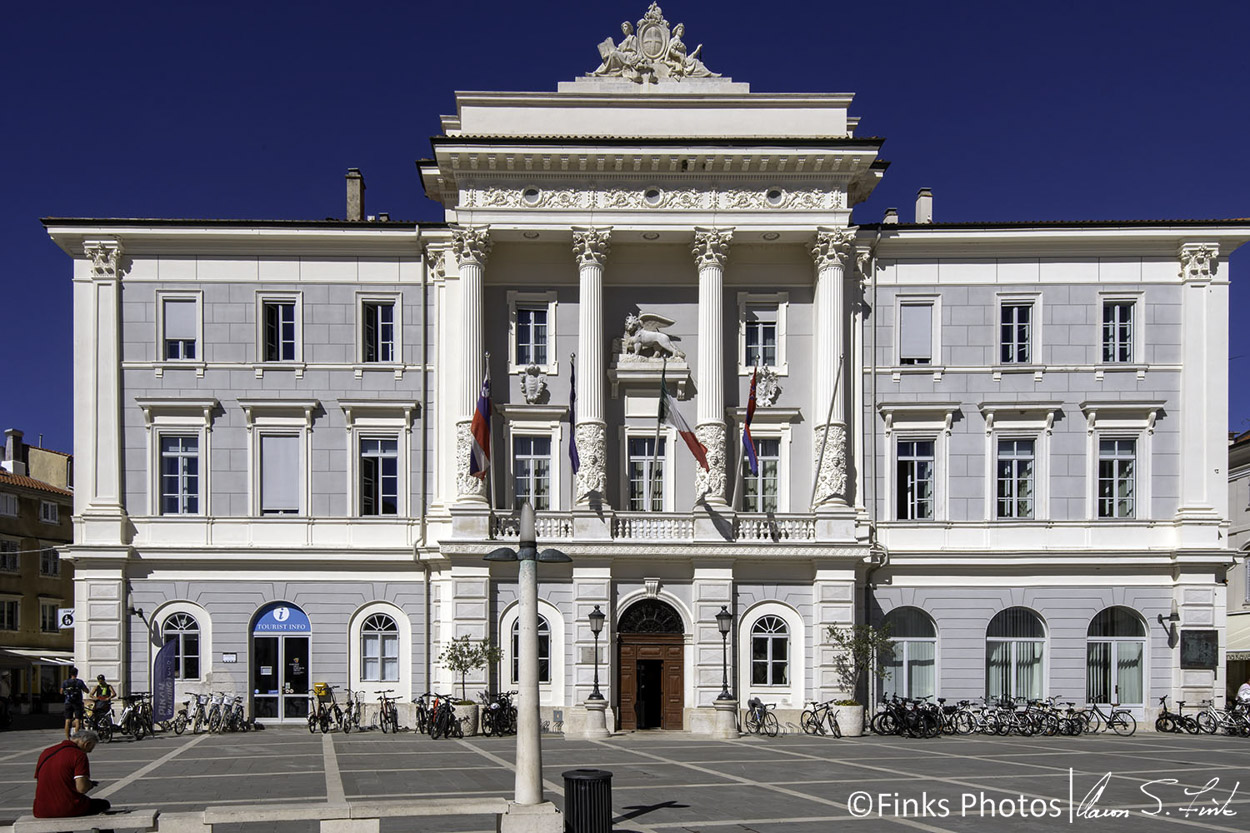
(676, 782)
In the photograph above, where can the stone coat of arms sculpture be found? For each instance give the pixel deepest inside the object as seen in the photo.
(652, 52)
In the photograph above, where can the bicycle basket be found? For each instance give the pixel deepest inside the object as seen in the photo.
(322, 690)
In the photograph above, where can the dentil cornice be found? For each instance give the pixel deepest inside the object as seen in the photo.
(1199, 261)
(711, 246)
(833, 247)
(591, 245)
(471, 244)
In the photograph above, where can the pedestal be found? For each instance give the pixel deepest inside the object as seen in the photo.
(596, 720)
(531, 818)
(726, 725)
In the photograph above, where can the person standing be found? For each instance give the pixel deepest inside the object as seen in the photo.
(1243, 695)
(73, 689)
(63, 779)
(102, 695)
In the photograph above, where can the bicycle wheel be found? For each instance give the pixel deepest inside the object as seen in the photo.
(214, 722)
(1191, 725)
(1123, 723)
(963, 723)
(423, 720)
(488, 723)
(323, 722)
(1206, 723)
(198, 724)
(384, 719)
(139, 727)
(1092, 721)
(833, 724)
(105, 730)
(752, 723)
(345, 722)
(811, 726)
(1165, 723)
(770, 725)
(312, 723)
(180, 723)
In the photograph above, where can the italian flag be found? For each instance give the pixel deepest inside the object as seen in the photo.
(671, 416)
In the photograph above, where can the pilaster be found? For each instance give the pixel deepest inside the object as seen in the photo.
(471, 246)
(590, 248)
(832, 254)
(835, 594)
(711, 251)
(713, 587)
(1204, 344)
(465, 611)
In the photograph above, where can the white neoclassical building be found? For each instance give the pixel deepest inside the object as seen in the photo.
(1006, 439)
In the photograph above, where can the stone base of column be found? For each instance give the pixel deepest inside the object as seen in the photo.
(596, 720)
(470, 519)
(530, 818)
(713, 521)
(591, 525)
(835, 521)
(725, 726)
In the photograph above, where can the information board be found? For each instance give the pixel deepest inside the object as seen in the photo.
(1200, 649)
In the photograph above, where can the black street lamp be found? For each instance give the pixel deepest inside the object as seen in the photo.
(596, 618)
(724, 621)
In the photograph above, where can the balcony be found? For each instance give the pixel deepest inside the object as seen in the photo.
(660, 526)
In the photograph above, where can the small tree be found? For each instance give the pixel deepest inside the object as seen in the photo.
(463, 655)
(860, 648)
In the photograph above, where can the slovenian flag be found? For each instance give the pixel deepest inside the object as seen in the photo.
(748, 443)
(575, 461)
(669, 414)
(479, 455)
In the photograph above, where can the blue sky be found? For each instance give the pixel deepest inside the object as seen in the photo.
(1009, 111)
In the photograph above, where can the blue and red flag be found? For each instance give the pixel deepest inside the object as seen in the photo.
(575, 459)
(479, 456)
(748, 444)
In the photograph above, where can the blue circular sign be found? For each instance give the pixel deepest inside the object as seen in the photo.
(282, 618)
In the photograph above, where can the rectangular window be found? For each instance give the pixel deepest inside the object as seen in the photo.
(10, 558)
(379, 331)
(8, 614)
(915, 338)
(380, 657)
(1117, 478)
(915, 470)
(1117, 331)
(8, 505)
(279, 331)
(279, 474)
(181, 328)
(761, 336)
(759, 491)
(379, 476)
(532, 471)
(1015, 333)
(49, 622)
(180, 475)
(48, 512)
(531, 335)
(1015, 478)
(646, 474)
(49, 562)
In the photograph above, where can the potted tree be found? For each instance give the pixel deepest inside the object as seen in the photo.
(461, 656)
(860, 648)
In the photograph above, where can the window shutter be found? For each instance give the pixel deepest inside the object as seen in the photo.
(279, 478)
(180, 320)
(915, 331)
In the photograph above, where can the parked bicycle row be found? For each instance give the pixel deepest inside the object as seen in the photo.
(435, 713)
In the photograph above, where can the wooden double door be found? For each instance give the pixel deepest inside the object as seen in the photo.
(652, 680)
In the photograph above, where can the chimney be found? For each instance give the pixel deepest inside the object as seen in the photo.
(924, 206)
(13, 452)
(891, 217)
(355, 196)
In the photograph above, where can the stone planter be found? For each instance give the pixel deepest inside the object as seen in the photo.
(851, 720)
(467, 716)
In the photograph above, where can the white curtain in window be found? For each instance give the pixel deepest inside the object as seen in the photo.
(279, 474)
(998, 670)
(1098, 672)
(180, 320)
(916, 331)
(1029, 669)
(1128, 672)
(921, 664)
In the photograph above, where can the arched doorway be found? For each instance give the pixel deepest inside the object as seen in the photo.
(651, 665)
(279, 668)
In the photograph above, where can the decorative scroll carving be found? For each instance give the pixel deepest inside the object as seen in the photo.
(863, 263)
(767, 387)
(831, 480)
(650, 616)
(1199, 261)
(467, 486)
(833, 247)
(471, 244)
(711, 483)
(591, 245)
(808, 199)
(435, 258)
(534, 385)
(711, 246)
(106, 258)
(643, 338)
(592, 476)
(655, 52)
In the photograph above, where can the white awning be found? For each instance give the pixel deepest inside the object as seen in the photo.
(37, 656)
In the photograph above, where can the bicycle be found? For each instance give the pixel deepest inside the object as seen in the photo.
(1120, 721)
(423, 712)
(1233, 721)
(498, 714)
(215, 713)
(443, 723)
(200, 718)
(131, 722)
(760, 718)
(388, 715)
(352, 715)
(100, 719)
(821, 719)
(1169, 721)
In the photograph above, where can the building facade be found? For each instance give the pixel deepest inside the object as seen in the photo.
(1003, 440)
(36, 505)
(1237, 667)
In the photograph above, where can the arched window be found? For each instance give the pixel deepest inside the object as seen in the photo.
(770, 651)
(182, 629)
(1015, 655)
(544, 650)
(914, 663)
(1115, 650)
(379, 649)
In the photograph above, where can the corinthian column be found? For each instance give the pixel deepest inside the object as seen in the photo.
(832, 252)
(711, 250)
(590, 249)
(471, 245)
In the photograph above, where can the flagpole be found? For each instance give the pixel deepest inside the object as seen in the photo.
(655, 452)
(824, 442)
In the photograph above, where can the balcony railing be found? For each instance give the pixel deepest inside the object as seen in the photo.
(652, 526)
(777, 528)
(657, 526)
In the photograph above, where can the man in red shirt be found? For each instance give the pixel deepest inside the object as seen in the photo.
(63, 779)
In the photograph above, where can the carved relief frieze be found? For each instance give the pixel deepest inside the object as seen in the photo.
(832, 467)
(711, 246)
(467, 486)
(711, 483)
(591, 245)
(471, 244)
(689, 199)
(1199, 261)
(592, 476)
(833, 247)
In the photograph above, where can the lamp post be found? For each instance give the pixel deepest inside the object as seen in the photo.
(596, 618)
(596, 705)
(724, 621)
(529, 756)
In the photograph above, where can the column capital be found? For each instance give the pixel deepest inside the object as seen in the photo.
(591, 244)
(833, 247)
(711, 246)
(106, 256)
(1199, 261)
(471, 244)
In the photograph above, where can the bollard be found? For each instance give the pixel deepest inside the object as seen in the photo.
(587, 801)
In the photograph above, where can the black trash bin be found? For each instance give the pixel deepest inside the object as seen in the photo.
(587, 801)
